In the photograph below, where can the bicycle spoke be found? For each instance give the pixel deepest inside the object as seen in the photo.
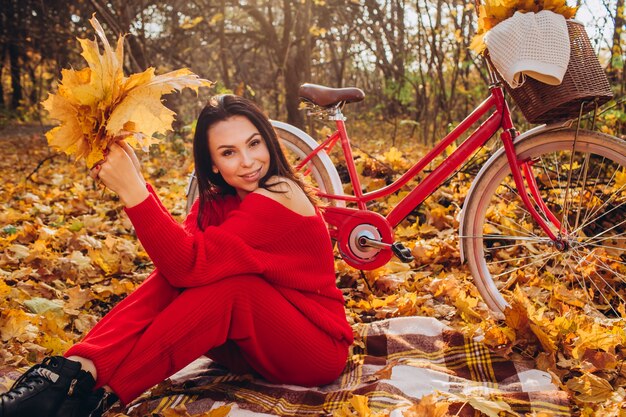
(583, 186)
(520, 258)
(599, 291)
(556, 165)
(616, 237)
(500, 225)
(506, 237)
(590, 219)
(574, 273)
(547, 174)
(606, 267)
(583, 283)
(596, 219)
(500, 247)
(608, 230)
(581, 194)
(524, 266)
(596, 239)
(613, 194)
(520, 206)
(608, 302)
(593, 192)
(613, 259)
(565, 214)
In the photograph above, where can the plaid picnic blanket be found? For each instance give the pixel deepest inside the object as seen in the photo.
(394, 363)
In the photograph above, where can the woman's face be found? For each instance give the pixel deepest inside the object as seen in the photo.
(239, 153)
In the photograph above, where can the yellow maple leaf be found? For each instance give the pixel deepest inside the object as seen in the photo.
(54, 344)
(491, 407)
(141, 112)
(467, 305)
(221, 411)
(597, 337)
(99, 105)
(395, 158)
(428, 406)
(526, 5)
(5, 290)
(105, 259)
(590, 388)
(359, 408)
(492, 12)
(498, 11)
(547, 341)
(560, 7)
(16, 324)
(478, 43)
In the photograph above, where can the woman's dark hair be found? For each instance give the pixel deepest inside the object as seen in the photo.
(211, 186)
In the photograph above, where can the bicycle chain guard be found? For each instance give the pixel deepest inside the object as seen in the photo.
(348, 225)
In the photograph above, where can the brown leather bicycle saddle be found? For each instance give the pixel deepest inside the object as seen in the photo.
(328, 97)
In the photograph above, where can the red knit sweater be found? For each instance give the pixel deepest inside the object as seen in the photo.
(256, 236)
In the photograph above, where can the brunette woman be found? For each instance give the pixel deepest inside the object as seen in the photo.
(248, 279)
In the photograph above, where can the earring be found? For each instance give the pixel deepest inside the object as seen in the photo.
(216, 171)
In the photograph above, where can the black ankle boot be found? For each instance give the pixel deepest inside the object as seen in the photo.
(82, 400)
(44, 387)
(106, 401)
(91, 404)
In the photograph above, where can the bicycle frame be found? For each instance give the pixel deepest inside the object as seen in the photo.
(500, 117)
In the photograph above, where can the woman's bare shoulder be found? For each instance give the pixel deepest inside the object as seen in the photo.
(289, 194)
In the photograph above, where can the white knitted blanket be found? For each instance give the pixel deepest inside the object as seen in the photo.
(530, 44)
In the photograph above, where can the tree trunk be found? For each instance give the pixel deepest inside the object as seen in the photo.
(223, 46)
(16, 82)
(2, 57)
(616, 66)
(298, 62)
(292, 101)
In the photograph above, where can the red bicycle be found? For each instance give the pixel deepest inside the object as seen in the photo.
(551, 200)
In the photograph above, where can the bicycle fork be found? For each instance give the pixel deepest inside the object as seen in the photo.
(527, 185)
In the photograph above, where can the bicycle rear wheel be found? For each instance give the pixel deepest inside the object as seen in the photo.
(586, 191)
(320, 173)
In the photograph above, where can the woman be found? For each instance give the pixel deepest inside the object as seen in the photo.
(248, 279)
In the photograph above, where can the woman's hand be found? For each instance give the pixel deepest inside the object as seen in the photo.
(119, 173)
(133, 157)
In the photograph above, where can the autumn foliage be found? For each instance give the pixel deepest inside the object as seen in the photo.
(98, 104)
(68, 254)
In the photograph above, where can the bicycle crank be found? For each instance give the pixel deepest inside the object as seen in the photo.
(364, 238)
(402, 252)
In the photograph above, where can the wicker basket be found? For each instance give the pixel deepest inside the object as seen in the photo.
(584, 81)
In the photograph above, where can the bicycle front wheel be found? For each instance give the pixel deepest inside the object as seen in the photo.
(585, 190)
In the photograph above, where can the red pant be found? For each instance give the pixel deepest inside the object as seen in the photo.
(241, 322)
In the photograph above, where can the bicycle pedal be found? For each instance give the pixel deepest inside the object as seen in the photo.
(402, 252)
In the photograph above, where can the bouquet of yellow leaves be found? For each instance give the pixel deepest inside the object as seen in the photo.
(99, 105)
(492, 12)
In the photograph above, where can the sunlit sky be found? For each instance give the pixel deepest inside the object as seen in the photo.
(596, 19)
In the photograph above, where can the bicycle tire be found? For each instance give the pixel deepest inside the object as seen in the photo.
(504, 246)
(323, 174)
(296, 145)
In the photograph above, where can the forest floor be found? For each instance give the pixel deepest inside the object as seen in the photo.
(68, 254)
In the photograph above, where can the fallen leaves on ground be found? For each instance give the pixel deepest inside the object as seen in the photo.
(68, 254)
